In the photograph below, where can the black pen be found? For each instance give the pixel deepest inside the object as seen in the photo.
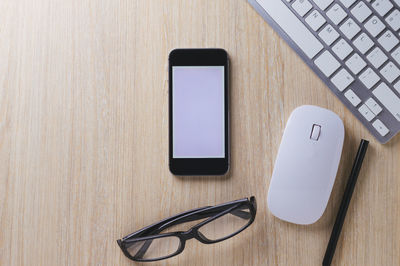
(351, 183)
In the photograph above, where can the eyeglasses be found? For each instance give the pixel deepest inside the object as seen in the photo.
(221, 222)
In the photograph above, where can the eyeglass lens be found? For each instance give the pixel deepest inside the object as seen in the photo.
(226, 225)
(154, 248)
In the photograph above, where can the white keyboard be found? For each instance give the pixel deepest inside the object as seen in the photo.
(353, 46)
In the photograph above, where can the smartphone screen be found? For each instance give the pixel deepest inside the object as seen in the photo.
(198, 112)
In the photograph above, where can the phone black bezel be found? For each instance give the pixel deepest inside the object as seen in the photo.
(200, 57)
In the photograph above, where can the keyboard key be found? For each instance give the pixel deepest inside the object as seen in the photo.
(292, 26)
(396, 55)
(301, 7)
(389, 99)
(350, 28)
(397, 2)
(380, 127)
(342, 79)
(363, 43)
(355, 63)
(388, 40)
(352, 97)
(369, 78)
(323, 4)
(397, 86)
(394, 19)
(368, 114)
(328, 34)
(347, 3)
(374, 26)
(390, 72)
(382, 6)
(377, 57)
(373, 106)
(327, 63)
(361, 11)
(315, 20)
(342, 49)
(336, 14)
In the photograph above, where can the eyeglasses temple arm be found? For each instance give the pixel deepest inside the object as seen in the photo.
(188, 217)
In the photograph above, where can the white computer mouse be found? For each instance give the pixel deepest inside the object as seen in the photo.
(306, 165)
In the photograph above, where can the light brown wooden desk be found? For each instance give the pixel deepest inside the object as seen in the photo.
(84, 137)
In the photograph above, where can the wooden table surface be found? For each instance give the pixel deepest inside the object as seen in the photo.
(84, 137)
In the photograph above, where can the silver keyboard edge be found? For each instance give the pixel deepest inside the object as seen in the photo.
(327, 81)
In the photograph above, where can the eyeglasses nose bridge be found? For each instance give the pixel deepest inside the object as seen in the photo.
(189, 234)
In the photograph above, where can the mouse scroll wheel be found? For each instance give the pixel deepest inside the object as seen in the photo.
(315, 132)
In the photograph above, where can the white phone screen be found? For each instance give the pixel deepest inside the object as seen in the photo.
(198, 112)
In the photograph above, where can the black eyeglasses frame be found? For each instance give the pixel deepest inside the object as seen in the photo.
(213, 212)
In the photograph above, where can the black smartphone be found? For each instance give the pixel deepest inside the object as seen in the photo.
(198, 112)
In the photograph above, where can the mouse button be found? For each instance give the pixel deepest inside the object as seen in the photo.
(315, 132)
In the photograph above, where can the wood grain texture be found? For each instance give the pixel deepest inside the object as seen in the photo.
(84, 126)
